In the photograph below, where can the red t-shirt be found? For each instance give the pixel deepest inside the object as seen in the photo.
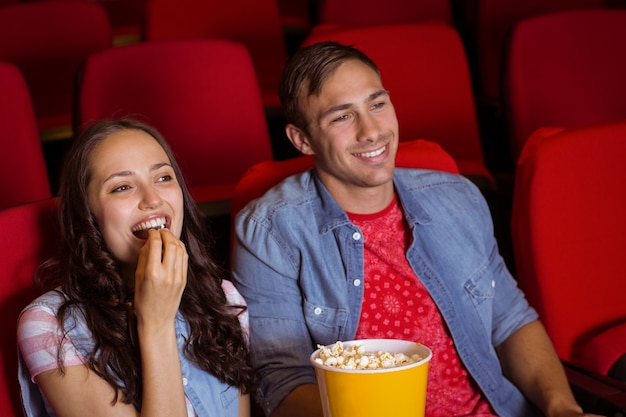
(397, 306)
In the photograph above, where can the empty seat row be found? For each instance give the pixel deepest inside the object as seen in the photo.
(202, 94)
(492, 26)
(565, 69)
(432, 87)
(24, 175)
(48, 41)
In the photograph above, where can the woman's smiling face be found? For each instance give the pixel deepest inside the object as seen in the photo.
(133, 188)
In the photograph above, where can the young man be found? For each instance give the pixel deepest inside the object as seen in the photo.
(359, 249)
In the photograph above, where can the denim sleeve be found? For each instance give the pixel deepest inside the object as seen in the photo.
(510, 309)
(265, 271)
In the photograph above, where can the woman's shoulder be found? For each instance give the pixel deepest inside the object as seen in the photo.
(39, 336)
(48, 305)
(50, 301)
(40, 316)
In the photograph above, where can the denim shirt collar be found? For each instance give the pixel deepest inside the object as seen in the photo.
(329, 215)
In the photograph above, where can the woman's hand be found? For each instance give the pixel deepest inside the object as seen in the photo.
(160, 279)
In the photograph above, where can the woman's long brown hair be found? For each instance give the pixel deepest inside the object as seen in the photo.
(90, 278)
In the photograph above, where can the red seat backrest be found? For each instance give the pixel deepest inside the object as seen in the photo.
(566, 69)
(569, 231)
(367, 12)
(29, 236)
(255, 23)
(48, 41)
(493, 24)
(201, 94)
(23, 176)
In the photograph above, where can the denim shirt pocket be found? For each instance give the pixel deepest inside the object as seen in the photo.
(481, 291)
(326, 324)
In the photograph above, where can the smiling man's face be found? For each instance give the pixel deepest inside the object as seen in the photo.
(352, 130)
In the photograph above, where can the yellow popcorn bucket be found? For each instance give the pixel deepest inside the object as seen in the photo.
(398, 391)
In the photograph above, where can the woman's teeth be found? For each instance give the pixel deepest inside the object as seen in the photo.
(150, 224)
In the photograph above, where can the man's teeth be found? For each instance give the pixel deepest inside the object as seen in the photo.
(371, 154)
(150, 224)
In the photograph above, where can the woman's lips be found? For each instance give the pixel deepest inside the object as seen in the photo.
(140, 230)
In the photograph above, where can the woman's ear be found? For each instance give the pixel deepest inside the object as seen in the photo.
(299, 139)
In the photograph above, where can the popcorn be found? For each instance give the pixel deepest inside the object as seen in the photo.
(355, 357)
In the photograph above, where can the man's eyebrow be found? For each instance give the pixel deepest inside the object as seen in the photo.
(377, 94)
(346, 106)
(128, 173)
(335, 109)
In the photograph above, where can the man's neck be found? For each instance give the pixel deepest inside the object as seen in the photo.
(364, 200)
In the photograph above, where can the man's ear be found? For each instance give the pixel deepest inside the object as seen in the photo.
(299, 139)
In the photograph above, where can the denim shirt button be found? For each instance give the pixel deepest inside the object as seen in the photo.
(493, 283)
(356, 236)
(317, 311)
(185, 381)
(356, 282)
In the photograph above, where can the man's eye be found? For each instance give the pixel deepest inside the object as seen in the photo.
(341, 118)
(379, 105)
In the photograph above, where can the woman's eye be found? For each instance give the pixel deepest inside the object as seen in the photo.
(120, 188)
(165, 178)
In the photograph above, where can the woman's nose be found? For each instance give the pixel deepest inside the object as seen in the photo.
(150, 198)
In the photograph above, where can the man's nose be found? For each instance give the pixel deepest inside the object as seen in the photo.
(369, 128)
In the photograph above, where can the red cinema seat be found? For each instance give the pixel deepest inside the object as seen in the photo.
(368, 12)
(48, 41)
(569, 239)
(255, 23)
(566, 69)
(201, 94)
(24, 176)
(29, 237)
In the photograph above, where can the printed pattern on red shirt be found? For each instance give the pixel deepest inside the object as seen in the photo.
(397, 306)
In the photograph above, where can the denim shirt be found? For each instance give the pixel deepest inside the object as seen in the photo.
(207, 394)
(298, 262)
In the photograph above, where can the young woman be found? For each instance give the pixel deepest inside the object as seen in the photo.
(137, 319)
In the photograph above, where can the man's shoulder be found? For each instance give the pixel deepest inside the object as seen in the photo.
(294, 191)
(435, 188)
(426, 178)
